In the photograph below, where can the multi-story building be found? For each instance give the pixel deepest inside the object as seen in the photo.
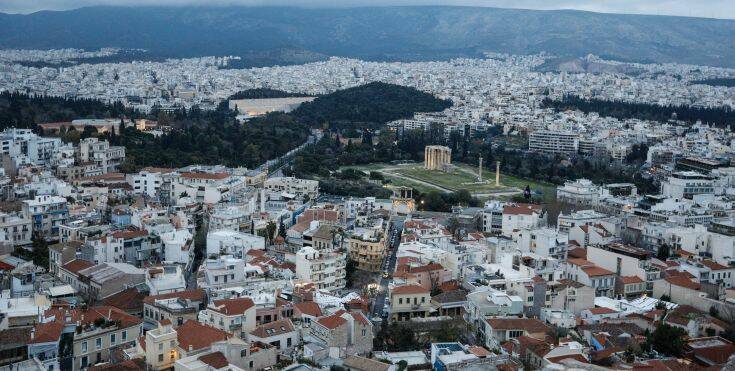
(25, 147)
(161, 346)
(177, 307)
(625, 260)
(549, 141)
(295, 186)
(409, 301)
(47, 213)
(101, 330)
(108, 158)
(148, 180)
(580, 192)
(367, 248)
(229, 242)
(582, 271)
(15, 230)
(221, 272)
(232, 315)
(325, 269)
(686, 184)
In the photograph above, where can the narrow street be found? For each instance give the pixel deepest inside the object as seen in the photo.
(389, 265)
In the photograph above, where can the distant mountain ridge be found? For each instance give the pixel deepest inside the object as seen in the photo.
(376, 33)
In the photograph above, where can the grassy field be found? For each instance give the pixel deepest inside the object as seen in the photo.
(462, 177)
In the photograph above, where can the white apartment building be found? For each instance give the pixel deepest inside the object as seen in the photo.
(165, 280)
(161, 346)
(687, 184)
(227, 242)
(148, 181)
(233, 218)
(580, 192)
(550, 141)
(624, 260)
(517, 217)
(578, 218)
(15, 230)
(106, 157)
(25, 147)
(295, 186)
(178, 246)
(325, 269)
(47, 213)
(231, 315)
(221, 272)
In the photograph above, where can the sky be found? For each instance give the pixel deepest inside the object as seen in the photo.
(693, 8)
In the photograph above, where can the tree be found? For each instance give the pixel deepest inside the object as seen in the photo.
(270, 230)
(282, 229)
(453, 226)
(663, 252)
(668, 340)
(350, 268)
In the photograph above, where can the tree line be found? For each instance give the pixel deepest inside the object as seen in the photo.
(720, 116)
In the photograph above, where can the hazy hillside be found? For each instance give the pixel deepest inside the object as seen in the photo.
(402, 33)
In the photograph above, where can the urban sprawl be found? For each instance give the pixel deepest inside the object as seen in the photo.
(209, 267)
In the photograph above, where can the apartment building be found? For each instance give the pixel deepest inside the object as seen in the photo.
(177, 307)
(550, 141)
(47, 213)
(295, 186)
(15, 230)
(409, 301)
(232, 315)
(367, 248)
(161, 344)
(326, 270)
(107, 158)
(686, 184)
(101, 330)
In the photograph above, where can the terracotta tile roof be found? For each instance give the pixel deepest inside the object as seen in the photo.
(332, 322)
(359, 317)
(129, 300)
(216, 360)
(47, 332)
(580, 262)
(273, 329)
(479, 351)
(577, 357)
(77, 265)
(601, 310)
(426, 268)
(409, 289)
(683, 282)
(714, 266)
(125, 235)
(577, 252)
(308, 307)
(135, 364)
(194, 295)
(358, 363)
(6, 267)
(198, 336)
(521, 209)
(157, 169)
(676, 273)
(231, 307)
(596, 271)
(627, 280)
(528, 324)
(205, 176)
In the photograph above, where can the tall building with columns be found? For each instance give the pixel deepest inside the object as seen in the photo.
(437, 157)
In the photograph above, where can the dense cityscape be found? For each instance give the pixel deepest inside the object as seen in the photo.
(509, 212)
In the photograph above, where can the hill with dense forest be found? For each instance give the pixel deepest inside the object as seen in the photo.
(277, 35)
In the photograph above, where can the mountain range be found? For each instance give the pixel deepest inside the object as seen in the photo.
(286, 34)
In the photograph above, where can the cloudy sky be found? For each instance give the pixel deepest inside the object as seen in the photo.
(694, 8)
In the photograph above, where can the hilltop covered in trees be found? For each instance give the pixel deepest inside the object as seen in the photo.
(367, 106)
(722, 117)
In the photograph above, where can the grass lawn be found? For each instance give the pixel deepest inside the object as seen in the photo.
(415, 174)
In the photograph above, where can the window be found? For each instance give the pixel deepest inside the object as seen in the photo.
(160, 357)
(364, 332)
(288, 342)
(160, 346)
(84, 347)
(112, 339)
(124, 335)
(98, 343)
(85, 361)
(400, 300)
